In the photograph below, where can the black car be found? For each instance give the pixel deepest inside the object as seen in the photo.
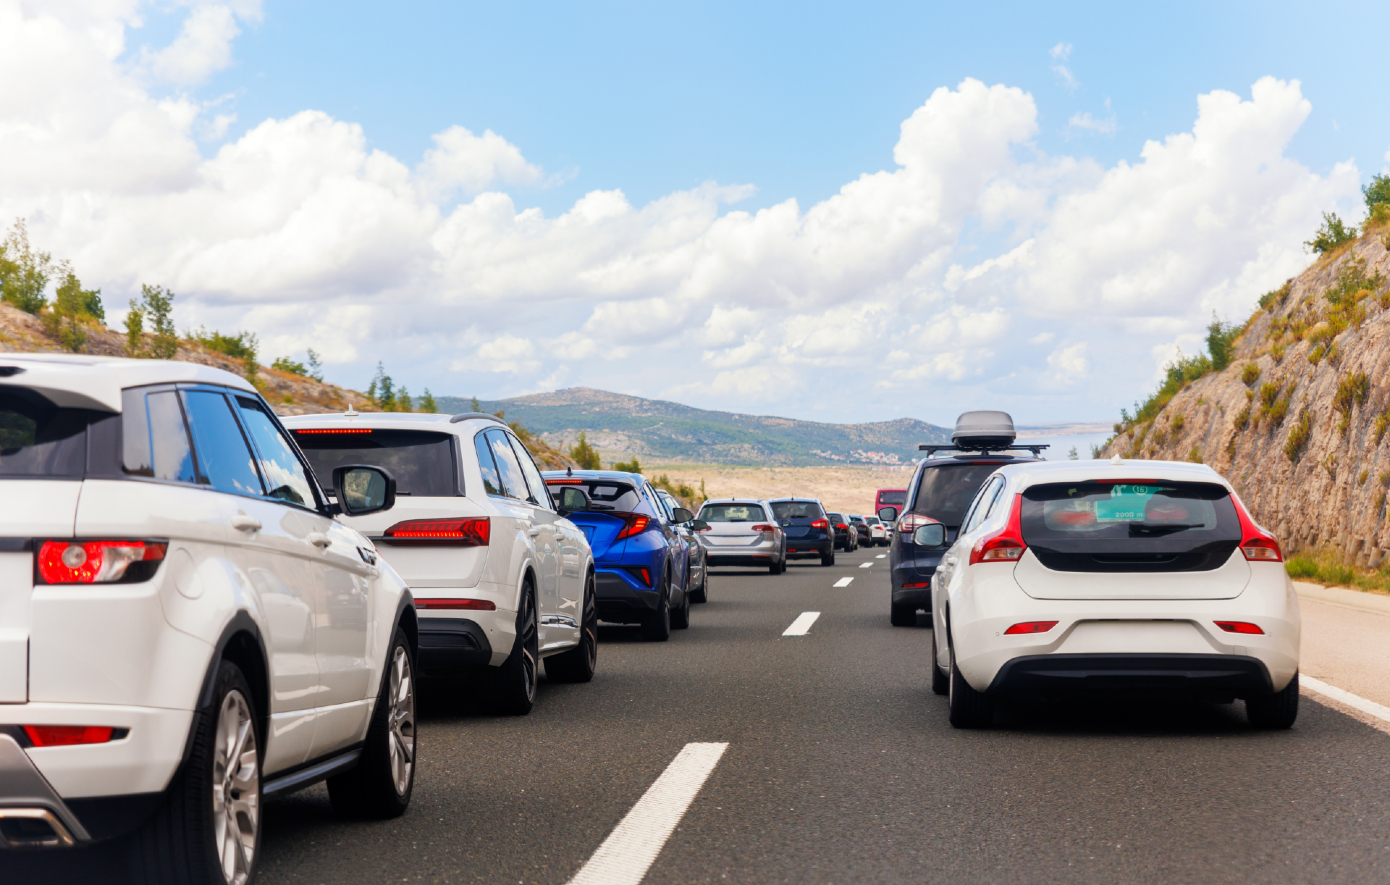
(806, 527)
(866, 535)
(846, 536)
(940, 491)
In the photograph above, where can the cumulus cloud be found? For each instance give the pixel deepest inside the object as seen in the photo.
(945, 272)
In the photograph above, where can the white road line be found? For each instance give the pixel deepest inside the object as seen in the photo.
(844, 582)
(866, 565)
(881, 556)
(1340, 694)
(802, 625)
(628, 852)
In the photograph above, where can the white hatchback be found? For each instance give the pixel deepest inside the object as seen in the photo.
(186, 626)
(1119, 576)
(502, 580)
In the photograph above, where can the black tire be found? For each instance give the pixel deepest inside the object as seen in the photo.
(939, 683)
(969, 708)
(775, 568)
(828, 558)
(514, 683)
(578, 664)
(902, 615)
(656, 626)
(179, 843)
(1277, 710)
(702, 594)
(680, 617)
(379, 787)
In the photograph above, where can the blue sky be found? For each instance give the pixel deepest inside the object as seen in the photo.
(841, 213)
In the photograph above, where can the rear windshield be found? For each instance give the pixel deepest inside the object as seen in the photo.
(797, 510)
(604, 494)
(421, 461)
(945, 492)
(1118, 526)
(38, 439)
(733, 513)
(895, 498)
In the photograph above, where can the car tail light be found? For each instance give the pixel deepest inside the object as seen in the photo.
(70, 735)
(911, 522)
(1256, 544)
(821, 524)
(916, 586)
(765, 529)
(472, 605)
(564, 482)
(1030, 627)
(633, 523)
(473, 531)
(308, 430)
(1004, 545)
(642, 573)
(99, 562)
(1240, 627)
(841, 525)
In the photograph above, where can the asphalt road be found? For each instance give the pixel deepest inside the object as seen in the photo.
(841, 767)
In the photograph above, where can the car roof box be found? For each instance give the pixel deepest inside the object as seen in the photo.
(984, 430)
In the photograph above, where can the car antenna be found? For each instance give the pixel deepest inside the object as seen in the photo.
(351, 412)
(569, 471)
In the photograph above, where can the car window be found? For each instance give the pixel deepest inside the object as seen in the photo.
(944, 493)
(508, 470)
(539, 495)
(732, 513)
(422, 461)
(980, 506)
(225, 461)
(797, 510)
(604, 494)
(166, 453)
(284, 473)
(492, 483)
(39, 439)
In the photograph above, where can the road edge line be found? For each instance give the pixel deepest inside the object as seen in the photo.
(1341, 695)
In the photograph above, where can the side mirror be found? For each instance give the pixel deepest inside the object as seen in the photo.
(362, 490)
(931, 535)
(571, 500)
(888, 514)
(680, 514)
(699, 525)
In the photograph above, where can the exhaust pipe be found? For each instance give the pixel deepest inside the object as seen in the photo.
(33, 828)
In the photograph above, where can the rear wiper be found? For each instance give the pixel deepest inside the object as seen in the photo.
(1146, 528)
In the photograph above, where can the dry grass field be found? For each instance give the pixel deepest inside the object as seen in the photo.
(842, 489)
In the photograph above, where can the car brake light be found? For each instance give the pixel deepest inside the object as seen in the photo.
(765, 529)
(634, 523)
(911, 522)
(1256, 544)
(1240, 627)
(99, 562)
(821, 524)
(69, 735)
(1004, 545)
(473, 531)
(475, 605)
(334, 430)
(841, 526)
(1030, 627)
(642, 573)
(916, 586)
(564, 482)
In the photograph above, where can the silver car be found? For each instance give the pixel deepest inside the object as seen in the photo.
(743, 531)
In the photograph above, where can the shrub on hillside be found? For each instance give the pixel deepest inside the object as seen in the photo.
(633, 466)
(1299, 435)
(1250, 374)
(1352, 391)
(585, 455)
(1333, 233)
(154, 308)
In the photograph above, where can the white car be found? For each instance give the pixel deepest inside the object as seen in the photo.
(186, 626)
(743, 531)
(1116, 576)
(500, 578)
(878, 532)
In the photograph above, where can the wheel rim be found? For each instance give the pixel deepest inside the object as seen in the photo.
(529, 647)
(590, 628)
(236, 789)
(401, 743)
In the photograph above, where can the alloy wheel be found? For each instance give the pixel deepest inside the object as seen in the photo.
(401, 741)
(589, 624)
(530, 645)
(236, 789)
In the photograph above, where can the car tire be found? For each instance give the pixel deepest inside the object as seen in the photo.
(207, 829)
(1277, 710)
(514, 683)
(902, 615)
(939, 683)
(579, 663)
(656, 626)
(702, 595)
(775, 568)
(969, 708)
(680, 617)
(379, 787)
(828, 558)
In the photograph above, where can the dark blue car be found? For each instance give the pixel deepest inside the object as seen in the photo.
(807, 528)
(640, 568)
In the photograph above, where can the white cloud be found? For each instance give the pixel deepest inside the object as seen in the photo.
(1082, 121)
(204, 44)
(463, 161)
(1069, 364)
(1060, 53)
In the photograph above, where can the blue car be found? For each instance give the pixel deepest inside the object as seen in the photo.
(640, 560)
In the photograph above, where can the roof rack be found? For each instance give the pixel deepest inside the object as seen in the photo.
(931, 449)
(484, 415)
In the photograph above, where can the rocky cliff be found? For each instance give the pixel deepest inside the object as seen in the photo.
(1298, 420)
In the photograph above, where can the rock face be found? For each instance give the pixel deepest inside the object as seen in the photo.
(1298, 421)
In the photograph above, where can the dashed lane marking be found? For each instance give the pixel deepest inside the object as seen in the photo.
(881, 556)
(866, 565)
(632, 847)
(802, 625)
(844, 582)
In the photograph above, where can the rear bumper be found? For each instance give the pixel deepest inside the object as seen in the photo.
(810, 548)
(1220, 675)
(619, 600)
(452, 645)
(717, 559)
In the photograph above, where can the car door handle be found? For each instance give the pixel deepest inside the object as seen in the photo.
(245, 523)
(320, 540)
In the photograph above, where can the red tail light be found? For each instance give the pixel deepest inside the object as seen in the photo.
(766, 529)
(841, 525)
(1004, 545)
(68, 735)
(99, 562)
(642, 573)
(335, 430)
(634, 523)
(474, 531)
(564, 482)
(1256, 544)
(911, 522)
(1030, 627)
(1240, 627)
(821, 524)
(917, 586)
(473, 605)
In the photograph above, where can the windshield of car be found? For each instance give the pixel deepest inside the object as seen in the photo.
(38, 439)
(945, 492)
(837, 518)
(872, 520)
(421, 461)
(797, 511)
(732, 513)
(895, 498)
(604, 494)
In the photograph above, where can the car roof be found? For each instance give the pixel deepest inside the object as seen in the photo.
(1130, 469)
(734, 501)
(803, 500)
(80, 381)
(390, 421)
(634, 478)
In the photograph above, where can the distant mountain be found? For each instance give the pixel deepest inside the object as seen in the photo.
(656, 430)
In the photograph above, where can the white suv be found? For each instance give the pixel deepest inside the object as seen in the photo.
(501, 579)
(185, 626)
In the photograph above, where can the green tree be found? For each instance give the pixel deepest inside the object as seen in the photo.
(427, 403)
(158, 306)
(585, 455)
(285, 364)
(72, 311)
(315, 368)
(1072, 455)
(633, 466)
(1333, 233)
(382, 390)
(474, 405)
(1376, 193)
(24, 271)
(403, 400)
(1221, 338)
(135, 330)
